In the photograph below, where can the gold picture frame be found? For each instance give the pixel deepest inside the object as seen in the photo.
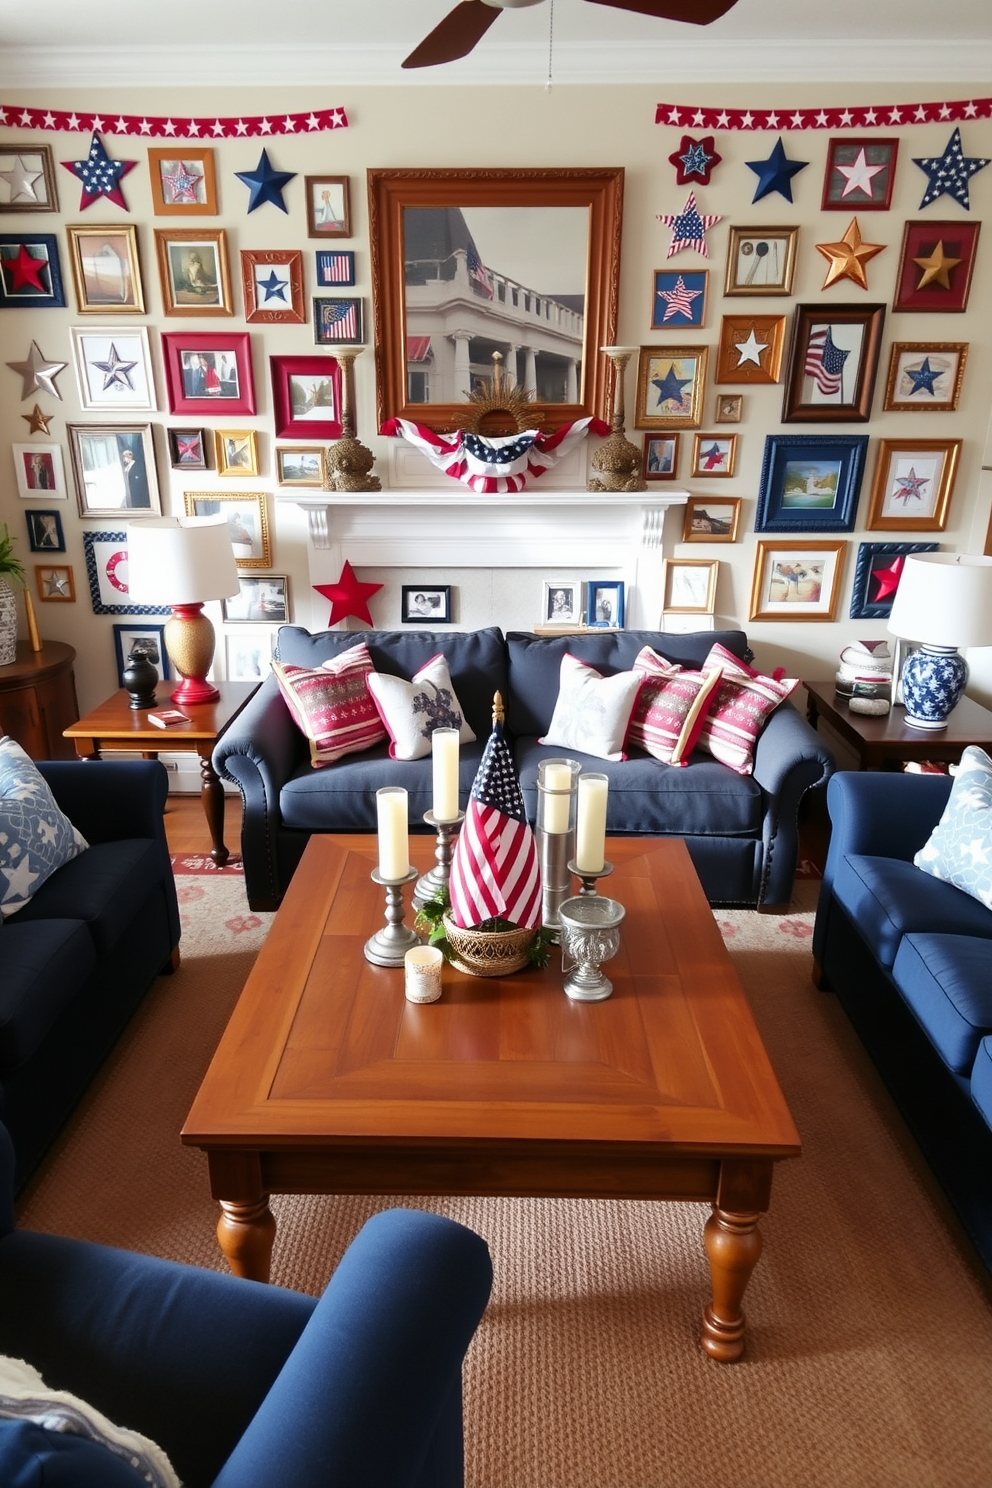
(761, 260)
(247, 520)
(236, 452)
(106, 274)
(713, 455)
(919, 473)
(711, 519)
(925, 376)
(750, 350)
(662, 373)
(690, 585)
(796, 581)
(729, 408)
(193, 270)
(183, 181)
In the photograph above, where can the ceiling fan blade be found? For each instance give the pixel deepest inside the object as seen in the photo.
(696, 12)
(455, 37)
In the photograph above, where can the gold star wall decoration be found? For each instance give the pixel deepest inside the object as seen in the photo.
(936, 268)
(847, 258)
(37, 421)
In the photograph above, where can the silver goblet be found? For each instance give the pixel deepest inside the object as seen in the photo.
(590, 935)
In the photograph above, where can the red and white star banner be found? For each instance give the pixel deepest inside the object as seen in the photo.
(316, 121)
(878, 116)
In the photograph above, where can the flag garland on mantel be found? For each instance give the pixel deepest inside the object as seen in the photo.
(880, 116)
(494, 465)
(315, 121)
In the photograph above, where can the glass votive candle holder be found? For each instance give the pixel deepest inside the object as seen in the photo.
(422, 974)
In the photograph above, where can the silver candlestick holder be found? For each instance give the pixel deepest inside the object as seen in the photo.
(590, 935)
(554, 833)
(435, 883)
(388, 946)
(589, 880)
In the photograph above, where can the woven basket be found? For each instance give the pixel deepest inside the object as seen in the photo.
(488, 953)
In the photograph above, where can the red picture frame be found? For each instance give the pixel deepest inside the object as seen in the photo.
(936, 240)
(302, 388)
(225, 358)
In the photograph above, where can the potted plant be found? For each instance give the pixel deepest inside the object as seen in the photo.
(11, 577)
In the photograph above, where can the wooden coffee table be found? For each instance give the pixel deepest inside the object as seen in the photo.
(327, 1080)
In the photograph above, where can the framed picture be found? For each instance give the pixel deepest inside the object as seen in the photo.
(859, 175)
(114, 469)
(106, 570)
(912, 485)
(338, 322)
(272, 283)
(420, 605)
(876, 577)
(750, 348)
(562, 602)
(27, 178)
(925, 375)
(39, 472)
(192, 267)
(259, 598)
(690, 585)
(713, 454)
(711, 519)
(679, 299)
(187, 448)
(236, 451)
(604, 603)
(206, 371)
(729, 408)
(45, 532)
(306, 397)
(30, 276)
(670, 386)
(810, 482)
(113, 369)
(761, 260)
(936, 265)
(55, 583)
(832, 363)
(141, 640)
(901, 653)
(328, 207)
(335, 267)
(247, 522)
(796, 581)
(183, 184)
(660, 460)
(105, 271)
(300, 466)
(248, 654)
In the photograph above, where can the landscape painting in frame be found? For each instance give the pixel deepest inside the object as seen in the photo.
(796, 581)
(711, 519)
(810, 482)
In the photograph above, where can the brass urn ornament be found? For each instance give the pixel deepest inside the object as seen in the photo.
(499, 406)
(348, 463)
(617, 460)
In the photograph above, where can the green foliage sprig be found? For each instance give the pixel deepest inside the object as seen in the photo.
(10, 567)
(430, 918)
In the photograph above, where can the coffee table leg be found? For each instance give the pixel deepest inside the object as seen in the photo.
(246, 1233)
(733, 1245)
(212, 796)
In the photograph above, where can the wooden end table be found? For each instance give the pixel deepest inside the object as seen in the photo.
(116, 725)
(38, 699)
(886, 743)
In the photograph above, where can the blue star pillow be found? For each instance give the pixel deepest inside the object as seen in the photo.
(35, 836)
(960, 846)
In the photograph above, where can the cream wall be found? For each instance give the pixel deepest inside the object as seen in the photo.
(509, 127)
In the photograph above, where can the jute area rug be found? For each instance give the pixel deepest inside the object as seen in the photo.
(869, 1351)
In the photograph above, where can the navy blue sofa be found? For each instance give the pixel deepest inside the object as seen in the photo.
(79, 957)
(741, 831)
(245, 1385)
(908, 956)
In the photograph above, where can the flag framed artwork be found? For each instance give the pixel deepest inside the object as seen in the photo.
(338, 322)
(335, 267)
(679, 299)
(832, 363)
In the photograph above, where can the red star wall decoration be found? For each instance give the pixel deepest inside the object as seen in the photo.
(694, 161)
(349, 596)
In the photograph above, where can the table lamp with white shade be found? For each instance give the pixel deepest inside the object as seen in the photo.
(183, 562)
(943, 603)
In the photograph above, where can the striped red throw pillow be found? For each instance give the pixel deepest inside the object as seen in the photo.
(332, 704)
(741, 707)
(671, 708)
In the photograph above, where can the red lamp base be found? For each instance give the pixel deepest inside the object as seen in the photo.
(189, 640)
(195, 690)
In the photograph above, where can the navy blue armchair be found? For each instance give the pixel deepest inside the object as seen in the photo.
(242, 1384)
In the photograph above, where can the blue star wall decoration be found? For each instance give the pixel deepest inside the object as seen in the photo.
(775, 173)
(100, 175)
(265, 184)
(949, 174)
(694, 161)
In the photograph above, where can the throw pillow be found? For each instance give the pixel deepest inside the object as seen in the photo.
(671, 708)
(592, 711)
(743, 703)
(412, 711)
(332, 706)
(35, 836)
(960, 846)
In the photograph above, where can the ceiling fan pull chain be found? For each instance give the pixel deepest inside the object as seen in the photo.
(551, 42)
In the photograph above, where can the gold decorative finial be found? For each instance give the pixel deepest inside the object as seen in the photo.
(499, 712)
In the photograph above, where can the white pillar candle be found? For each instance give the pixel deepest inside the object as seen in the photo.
(557, 779)
(590, 850)
(394, 847)
(444, 757)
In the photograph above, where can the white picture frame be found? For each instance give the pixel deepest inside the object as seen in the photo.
(113, 367)
(562, 603)
(40, 472)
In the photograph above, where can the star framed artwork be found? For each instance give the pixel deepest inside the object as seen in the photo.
(859, 175)
(761, 260)
(208, 372)
(306, 397)
(925, 375)
(750, 349)
(183, 183)
(272, 282)
(713, 454)
(113, 368)
(192, 268)
(679, 299)
(55, 583)
(936, 265)
(876, 577)
(27, 178)
(187, 448)
(832, 363)
(30, 276)
(670, 387)
(114, 470)
(105, 271)
(912, 484)
(810, 482)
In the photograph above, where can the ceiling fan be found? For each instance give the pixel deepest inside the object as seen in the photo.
(466, 25)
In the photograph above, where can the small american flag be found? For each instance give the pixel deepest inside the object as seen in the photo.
(825, 361)
(494, 867)
(340, 317)
(336, 268)
(478, 273)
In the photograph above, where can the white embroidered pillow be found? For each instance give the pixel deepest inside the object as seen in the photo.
(592, 711)
(411, 711)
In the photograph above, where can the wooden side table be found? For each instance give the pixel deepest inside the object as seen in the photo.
(886, 743)
(38, 699)
(116, 725)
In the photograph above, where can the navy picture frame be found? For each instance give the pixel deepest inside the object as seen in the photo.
(833, 462)
(27, 295)
(160, 660)
(106, 560)
(604, 595)
(873, 559)
(45, 533)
